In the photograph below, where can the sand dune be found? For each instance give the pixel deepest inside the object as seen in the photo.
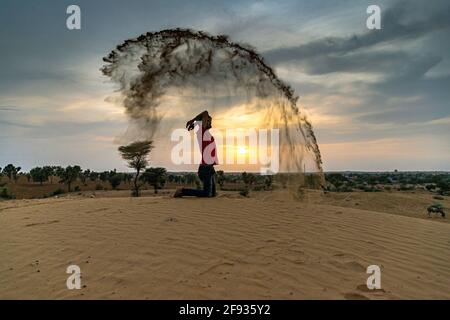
(268, 246)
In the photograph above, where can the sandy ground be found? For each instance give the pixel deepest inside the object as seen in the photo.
(268, 246)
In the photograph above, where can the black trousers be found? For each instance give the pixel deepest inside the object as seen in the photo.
(206, 173)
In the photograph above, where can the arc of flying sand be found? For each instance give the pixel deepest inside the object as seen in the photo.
(154, 54)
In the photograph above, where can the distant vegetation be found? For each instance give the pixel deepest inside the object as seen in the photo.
(156, 177)
(48, 181)
(438, 182)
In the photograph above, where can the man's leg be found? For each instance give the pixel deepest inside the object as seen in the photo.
(192, 193)
(205, 192)
(208, 185)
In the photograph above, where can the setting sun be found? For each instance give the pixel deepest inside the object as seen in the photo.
(242, 150)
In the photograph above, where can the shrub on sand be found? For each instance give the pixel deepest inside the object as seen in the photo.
(58, 192)
(5, 194)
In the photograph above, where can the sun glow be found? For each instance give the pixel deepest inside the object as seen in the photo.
(242, 150)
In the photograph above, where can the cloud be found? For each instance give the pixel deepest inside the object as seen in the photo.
(396, 25)
(382, 62)
(363, 88)
(378, 70)
(15, 124)
(6, 108)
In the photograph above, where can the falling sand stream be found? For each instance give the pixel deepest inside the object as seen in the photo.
(157, 68)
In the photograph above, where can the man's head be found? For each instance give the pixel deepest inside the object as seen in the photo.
(204, 117)
(207, 122)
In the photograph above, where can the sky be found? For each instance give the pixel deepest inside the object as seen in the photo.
(379, 100)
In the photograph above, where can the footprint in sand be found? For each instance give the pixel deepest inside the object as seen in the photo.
(220, 265)
(339, 255)
(41, 223)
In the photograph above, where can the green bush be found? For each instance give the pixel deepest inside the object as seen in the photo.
(115, 179)
(58, 192)
(198, 183)
(268, 181)
(5, 194)
(345, 188)
(406, 188)
(371, 189)
(443, 186)
(77, 189)
(258, 187)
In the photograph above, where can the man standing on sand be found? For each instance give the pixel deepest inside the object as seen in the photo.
(206, 170)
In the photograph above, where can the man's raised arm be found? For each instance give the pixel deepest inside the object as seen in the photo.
(200, 117)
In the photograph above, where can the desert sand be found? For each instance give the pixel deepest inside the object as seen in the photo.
(268, 246)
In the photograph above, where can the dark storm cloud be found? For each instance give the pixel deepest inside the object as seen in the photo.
(365, 62)
(58, 129)
(396, 25)
(401, 54)
(15, 124)
(7, 108)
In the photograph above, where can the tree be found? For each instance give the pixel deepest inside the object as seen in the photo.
(39, 174)
(338, 179)
(11, 172)
(190, 178)
(104, 176)
(85, 175)
(115, 179)
(443, 186)
(93, 176)
(127, 177)
(268, 182)
(248, 178)
(49, 172)
(220, 178)
(16, 174)
(136, 155)
(58, 171)
(70, 175)
(156, 177)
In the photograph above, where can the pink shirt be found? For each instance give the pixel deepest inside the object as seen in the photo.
(207, 146)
